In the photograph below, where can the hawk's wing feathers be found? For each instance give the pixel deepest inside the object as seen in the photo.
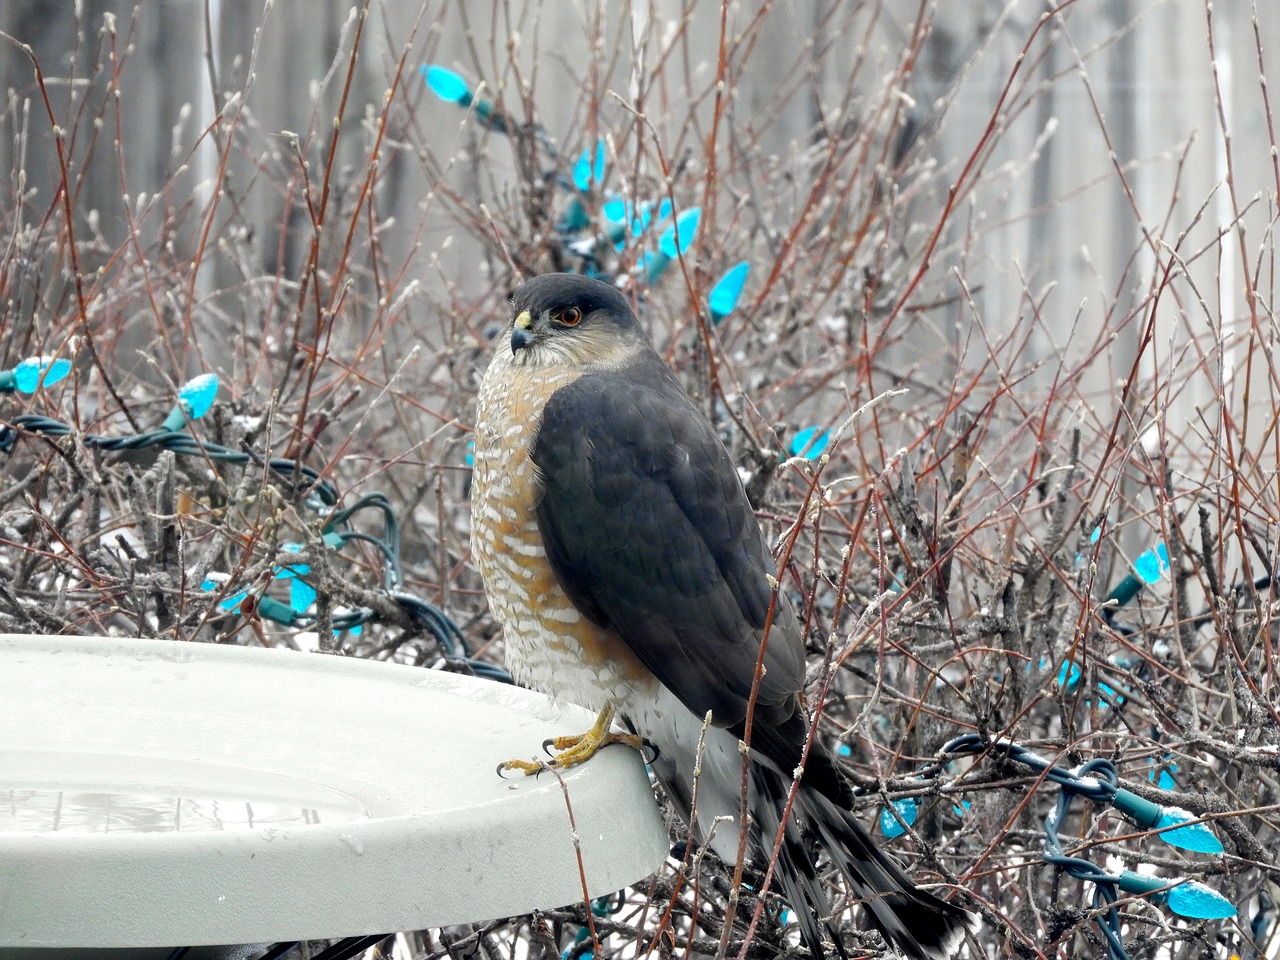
(649, 531)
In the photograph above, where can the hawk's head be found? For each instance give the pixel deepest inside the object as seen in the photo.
(565, 318)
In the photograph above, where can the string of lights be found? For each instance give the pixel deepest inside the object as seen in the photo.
(315, 492)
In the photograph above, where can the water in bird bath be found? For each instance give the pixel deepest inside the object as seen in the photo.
(65, 792)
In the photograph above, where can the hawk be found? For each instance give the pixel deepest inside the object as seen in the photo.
(622, 557)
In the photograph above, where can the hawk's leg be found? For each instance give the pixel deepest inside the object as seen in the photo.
(577, 748)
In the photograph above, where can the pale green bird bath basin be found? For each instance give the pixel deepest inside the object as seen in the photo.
(158, 794)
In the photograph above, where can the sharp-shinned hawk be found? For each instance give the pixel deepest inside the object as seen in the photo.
(625, 564)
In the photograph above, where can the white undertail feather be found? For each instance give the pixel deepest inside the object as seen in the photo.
(666, 721)
(676, 732)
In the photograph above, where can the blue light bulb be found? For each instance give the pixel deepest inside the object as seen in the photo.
(724, 295)
(446, 84)
(615, 210)
(1193, 899)
(301, 595)
(585, 172)
(1152, 564)
(677, 237)
(286, 571)
(1093, 538)
(808, 443)
(641, 223)
(27, 374)
(194, 400)
(907, 810)
(646, 215)
(1068, 675)
(1153, 816)
(1187, 898)
(655, 264)
(1162, 775)
(198, 394)
(1193, 836)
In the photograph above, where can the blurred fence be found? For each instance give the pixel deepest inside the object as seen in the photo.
(1114, 139)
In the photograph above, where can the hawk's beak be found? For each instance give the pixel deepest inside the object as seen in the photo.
(522, 332)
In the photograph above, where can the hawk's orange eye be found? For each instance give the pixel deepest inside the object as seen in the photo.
(570, 316)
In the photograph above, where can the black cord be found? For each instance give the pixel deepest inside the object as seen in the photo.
(318, 494)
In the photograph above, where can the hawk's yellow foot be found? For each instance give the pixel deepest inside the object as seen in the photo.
(577, 748)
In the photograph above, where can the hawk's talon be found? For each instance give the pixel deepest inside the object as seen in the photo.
(530, 768)
(578, 748)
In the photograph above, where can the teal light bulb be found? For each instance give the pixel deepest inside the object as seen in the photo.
(1193, 836)
(724, 295)
(1193, 899)
(655, 264)
(301, 595)
(587, 172)
(446, 84)
(907, 809)
(198, 394)
(809, 443)
(27, 374)
(1152, 564)
(677, 237)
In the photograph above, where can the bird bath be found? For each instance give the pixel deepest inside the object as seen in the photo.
(157, 794)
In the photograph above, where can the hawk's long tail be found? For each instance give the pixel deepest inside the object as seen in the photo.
(920, 925)
(917, 923)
